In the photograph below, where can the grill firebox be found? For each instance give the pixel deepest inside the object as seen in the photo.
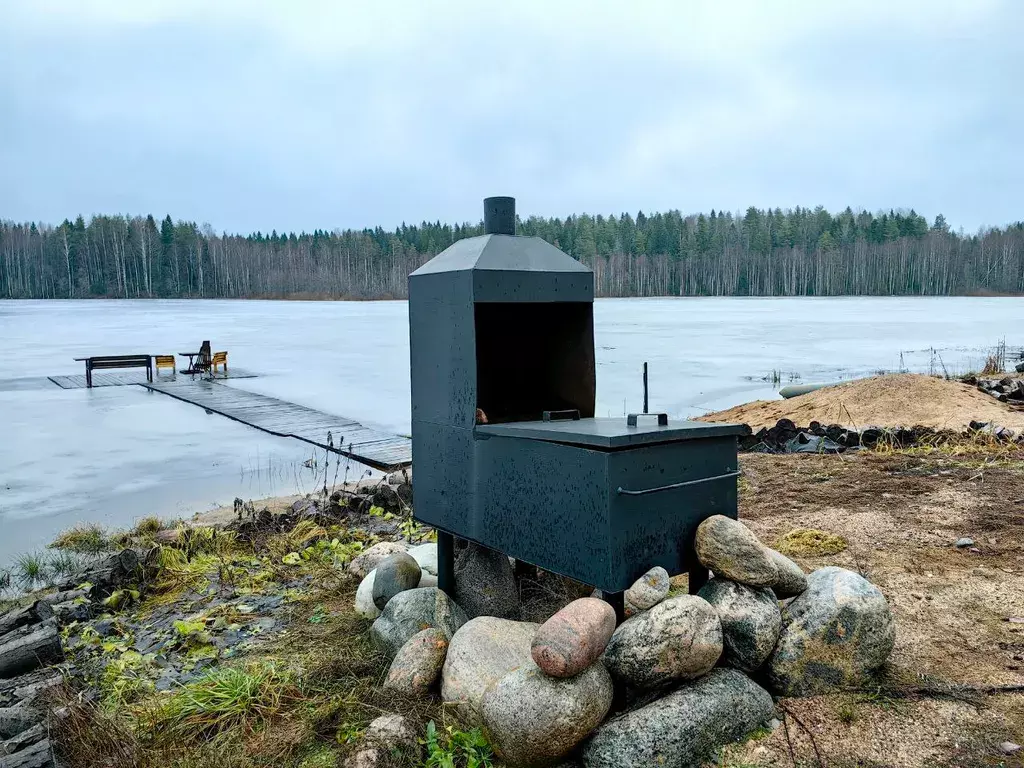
(504, 324)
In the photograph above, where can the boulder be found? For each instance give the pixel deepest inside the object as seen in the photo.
(371, 558)
(791, 579)
(394, 574)
(392, 731)
(427, 580)
(426, 556)
(417, 665)
(683, 728)
(534, 720)
(678, 639)
(483, 651)
(751, 621)
(412, 611)
(647, 591)
(485, 584)
(833, 636)
(387, 739)
(574, 638)
(728, 548)
(364, 597)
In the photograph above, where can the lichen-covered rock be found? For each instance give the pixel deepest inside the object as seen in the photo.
(485, 584)
(482, 652)
(412, 611)
(683, 728)
(647, 591)
(751, 621)
(394, 574)
(393, 737)
(426, 556)
(833, 636)
(731, 550)
(532, 719)
(417, 665)
(371, 558)
(791, 580)
(678, 639)
(574, 638)
(364, 597)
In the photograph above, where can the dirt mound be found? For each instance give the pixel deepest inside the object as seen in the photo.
(904, 399)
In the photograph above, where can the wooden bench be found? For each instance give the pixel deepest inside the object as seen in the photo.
(116, 361)
(164, 361)
(220, 358)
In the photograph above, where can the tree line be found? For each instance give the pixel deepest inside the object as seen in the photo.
(795, 252)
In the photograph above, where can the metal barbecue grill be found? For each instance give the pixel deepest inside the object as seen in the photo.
(502, 332)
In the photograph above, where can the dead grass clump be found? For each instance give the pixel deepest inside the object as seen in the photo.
(83, 734)
(86, 539)
(810, 542)
(148, 526)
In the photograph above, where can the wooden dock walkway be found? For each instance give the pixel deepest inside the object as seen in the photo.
(130, 377)
(338, 434)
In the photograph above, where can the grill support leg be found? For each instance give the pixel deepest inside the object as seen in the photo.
(698, 578)
(446, 563)
(617, 600)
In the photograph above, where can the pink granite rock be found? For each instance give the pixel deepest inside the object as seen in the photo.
(574, 638)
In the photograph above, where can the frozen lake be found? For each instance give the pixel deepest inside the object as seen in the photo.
(116, 454)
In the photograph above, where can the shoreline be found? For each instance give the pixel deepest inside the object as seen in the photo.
(278, 601)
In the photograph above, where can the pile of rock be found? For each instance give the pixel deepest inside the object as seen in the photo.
(681, 669)
(1006, 389)
(787, 437)
(30, 643)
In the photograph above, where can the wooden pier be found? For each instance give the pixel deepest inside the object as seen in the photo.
(130, 377)
(337, 434)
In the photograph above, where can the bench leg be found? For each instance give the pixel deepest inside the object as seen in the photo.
(88, 376)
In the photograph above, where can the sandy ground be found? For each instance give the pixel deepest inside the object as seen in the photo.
(904, 399)
(901, 516)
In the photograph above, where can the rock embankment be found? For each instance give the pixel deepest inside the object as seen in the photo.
(678, 679)
(30, 644)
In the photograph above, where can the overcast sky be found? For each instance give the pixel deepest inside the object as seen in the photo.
(301, 115)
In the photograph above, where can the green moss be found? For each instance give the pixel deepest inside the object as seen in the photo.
(810, 542)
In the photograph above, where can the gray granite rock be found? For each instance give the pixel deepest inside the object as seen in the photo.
(730, 549)
(791, 579)
(364, 597)
(485, 584)
(417, 665)
(532, 719)
(412, 611)
(483, 651)
(426, 556)
(393, 575)
(833, 636)
(751, 621)
(647, 591)
(683, 728)
(678, 639)
(371, 558)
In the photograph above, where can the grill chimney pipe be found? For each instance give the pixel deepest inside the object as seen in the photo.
(499, 215)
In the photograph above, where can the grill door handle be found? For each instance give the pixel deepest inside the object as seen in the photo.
(631, 419)
(645, 491)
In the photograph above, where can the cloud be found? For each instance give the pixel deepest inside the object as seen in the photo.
(263, 115)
